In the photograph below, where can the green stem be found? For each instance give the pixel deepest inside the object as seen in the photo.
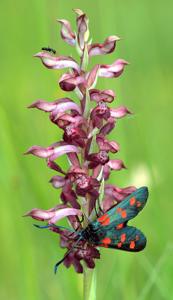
(89, 284)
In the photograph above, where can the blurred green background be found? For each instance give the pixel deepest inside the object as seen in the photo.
(28, 255)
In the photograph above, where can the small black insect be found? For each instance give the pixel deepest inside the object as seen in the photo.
(49, 49)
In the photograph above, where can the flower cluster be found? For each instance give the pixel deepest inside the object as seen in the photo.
(85, 127)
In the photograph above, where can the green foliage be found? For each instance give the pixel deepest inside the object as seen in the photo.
(27, 255)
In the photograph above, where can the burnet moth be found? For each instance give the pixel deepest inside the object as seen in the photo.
(111, 230)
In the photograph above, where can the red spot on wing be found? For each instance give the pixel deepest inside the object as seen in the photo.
(132, 201)
(123, 214)
(104, 220)
(123, 237)
(105, 242)
(119, 226)
(132, 245)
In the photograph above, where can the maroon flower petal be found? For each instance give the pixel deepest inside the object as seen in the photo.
(98, 158)
(40, 151)
(52, 216)
(56, 106)
(113, 70)
(43, 105)
(106, 47)
(76, 170)
(66, 32)
(51, 152)
(39, 214)
(89, 262)
(57, 181)
(106, 172)
(105, 95)
(116, 164)
(54, 166)
(63, 150)
(60, 62)
(69, 196)
(64, 212)
(107, 128)
(106, 145)
(63, 120)
(119, 112)
(77, 265)
(99, 113)
(68, 82)
(74, 134)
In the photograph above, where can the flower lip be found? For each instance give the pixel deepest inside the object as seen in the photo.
(104, 95)
(102, 107)
(68, 82)
(103, 156)
(108, 46)
(51, 152)
(116, 164)
(119, 112)
(51, 215)
(82, 181)
(70, 130)
(113, 70)
(57, 62)
(106, 145)
(57, 181)
(95, 159)
(56, 106)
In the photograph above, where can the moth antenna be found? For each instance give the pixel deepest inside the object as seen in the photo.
(60, 261)
(55, 226)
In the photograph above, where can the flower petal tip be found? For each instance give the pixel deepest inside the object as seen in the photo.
(60, 21)
(123, 61)
(29, 151)
(123, 166)
(39, 54)
(78, 11)
(25, 215)
(114, 38)
(28, 213)
(26, 153)
(32, 105)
